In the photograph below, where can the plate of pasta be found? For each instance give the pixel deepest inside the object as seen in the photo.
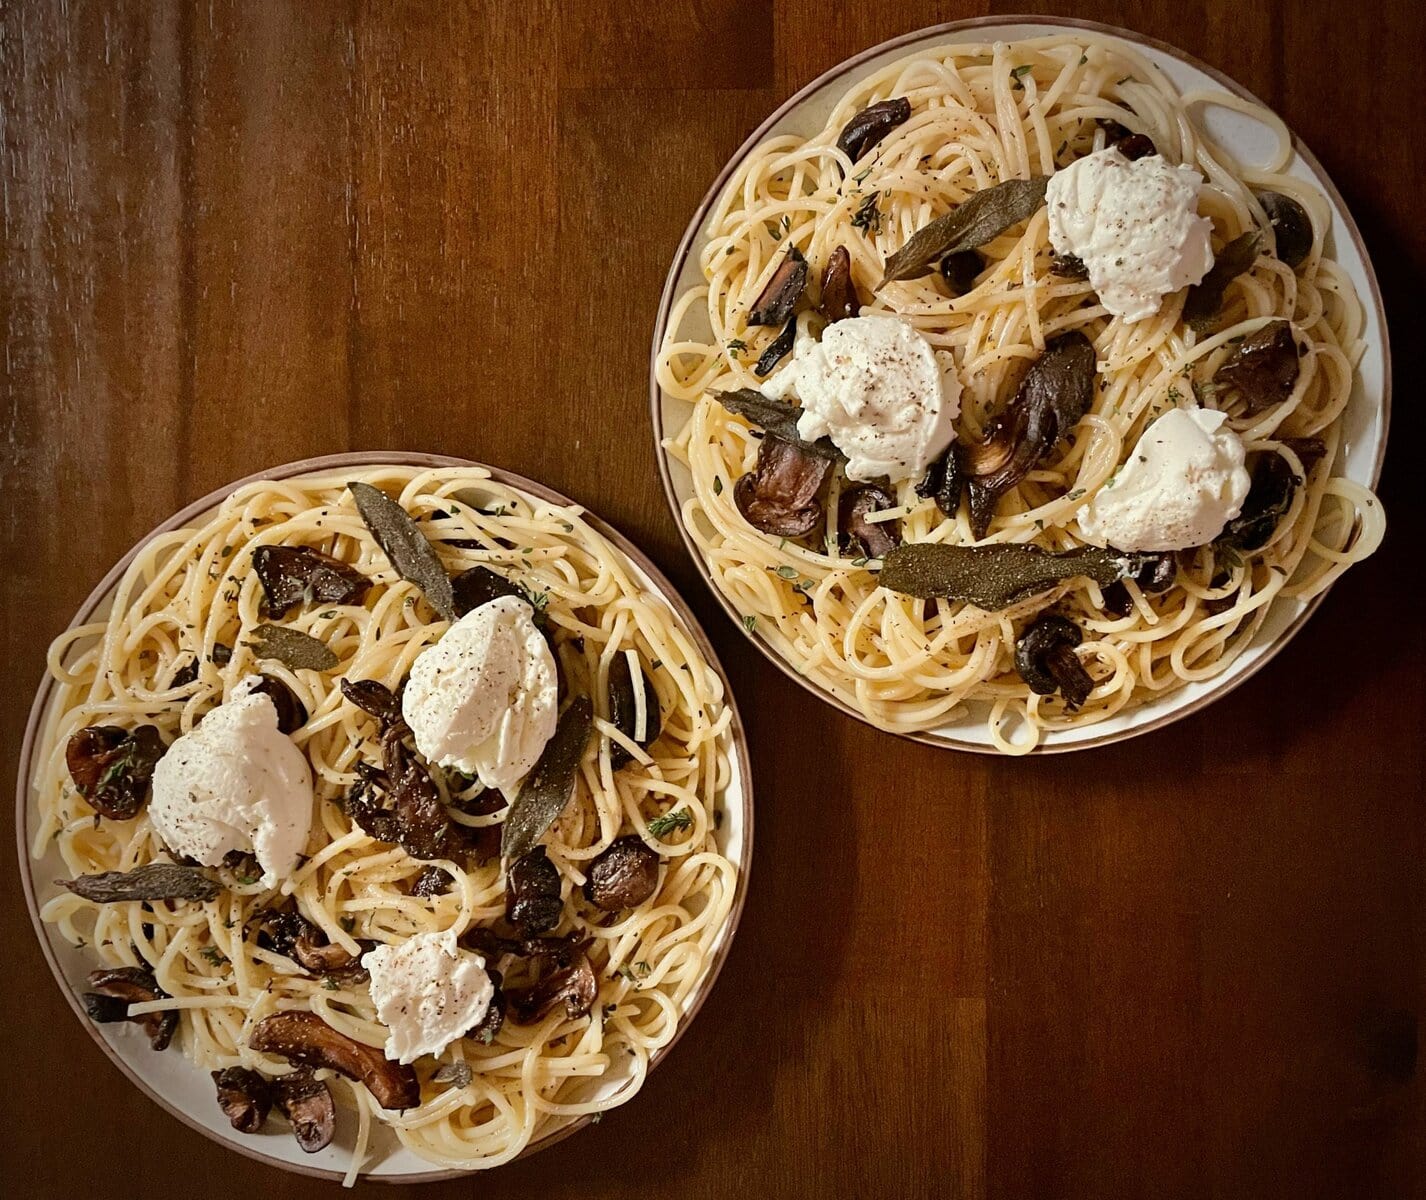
(385, 815)
(1021, 386)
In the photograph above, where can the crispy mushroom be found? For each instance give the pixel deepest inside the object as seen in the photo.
(1156, 574)
(776, 301)
(622, 876)
(293, 575)
(1292, 227)
(245, 1097)
(532, 894)
(432, 881)
(1068, 266)
(289, 933)
(1263, 366)
(291, 712)
(572, 984)
(1045, 659)
(1055, 393)
(1274, 483)
(307, 1102)
(624, 710)
(115, 988)
(839, 292)
(480, 585)
(858, 502)
(373, 698)
(780, 497)
(1123, 139)
(112, 768)
(873, 123)
(960, 269)
(304, 1037)
(778, 349)
(489, 1025)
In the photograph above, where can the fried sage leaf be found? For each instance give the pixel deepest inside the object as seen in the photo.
(872, 124)
(551, 783)
(292, 647)
(993, 577)
(1205, 298)
(406, 546)
(153, 881)
(985, 215)
(777, 419)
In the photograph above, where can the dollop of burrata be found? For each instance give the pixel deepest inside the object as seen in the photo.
(878, 389)
(1134, 225)
(235, 782)
(428, 992)
(1181, 484)
(484, 699)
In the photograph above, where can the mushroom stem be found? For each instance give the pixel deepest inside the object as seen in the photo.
(1075, 682)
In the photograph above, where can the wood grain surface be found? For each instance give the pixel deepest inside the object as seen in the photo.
(236, 234)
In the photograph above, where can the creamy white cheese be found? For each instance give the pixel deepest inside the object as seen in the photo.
(484, 699)
(427, 992)
(1134, 225)
(1181, 484)
(235, 782)
(877, 388)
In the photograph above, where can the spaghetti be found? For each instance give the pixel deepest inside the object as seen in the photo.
(190, 597)
(979, 115)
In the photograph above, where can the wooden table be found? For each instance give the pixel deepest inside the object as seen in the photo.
(239, 234)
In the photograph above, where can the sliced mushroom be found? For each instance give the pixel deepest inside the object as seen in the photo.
(1046, 661)
(1292, 227)
(307, 1102)
(489, 1025)
(960, 269)
(778, 349)
(1068, 266)
(304, 1037)
(478, 586)
(245, 1097)
(1123, 139)
(1270, 494)
(622, 876)
(532, 894)
(373, 698)
(291, 712)
(776, 301)
(780, 497)
(574, 985)
(1156, 574)
(124, 986)
(432, 881)
(839, 293)
(1263, 366)
(872, 124)
(858, 502)
(1056, 391)
(624, 711)
(293, 575)
(112, 768)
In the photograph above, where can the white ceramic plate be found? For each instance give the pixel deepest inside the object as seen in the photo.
(186, 1091)
(1249, 141)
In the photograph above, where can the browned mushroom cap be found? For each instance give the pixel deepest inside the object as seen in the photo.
(859, 502)
(112, 768)
(489, 1025)
(1055, 393)
(624, 712)
(292, 575)
(244, 1096)
(1130, 144)
(839, 293)
(304, 1037)
(1292, 227)
(532, 894)
(121, 987)
(574, 985)
(307, 1102)
(291, 712)
(776, 301)
(623, 876)
(1155, 574)
(373, 698)
(1045, 659)
(960, 269)
(1263, 366)
(780, 496)
(432, 881)
(478, 586)
(871, 124)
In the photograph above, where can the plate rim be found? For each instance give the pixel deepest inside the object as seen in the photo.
(1224, 684)
(315, 465)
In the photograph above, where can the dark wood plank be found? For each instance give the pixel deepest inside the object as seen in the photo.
(237, 234)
